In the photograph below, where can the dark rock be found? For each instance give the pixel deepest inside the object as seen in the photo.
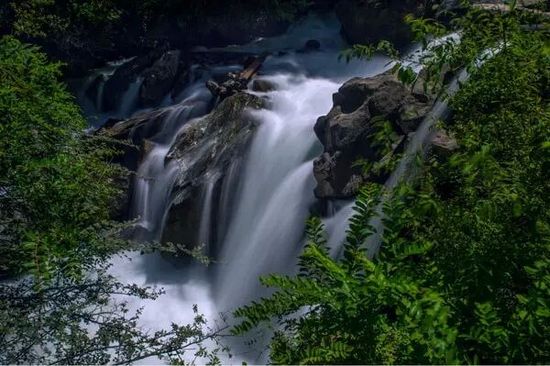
(131, 136)
(204, 149)
(124, 75)
(262, 86)
(368, 21)
(312, 45)
(120, 207)
(347, 132)
(159, 79)
(183, 79)
(231, 86)
(93, 91)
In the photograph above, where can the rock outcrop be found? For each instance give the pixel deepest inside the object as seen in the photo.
(369, 21)
(204, 150)
(350, 133)
(159, 79)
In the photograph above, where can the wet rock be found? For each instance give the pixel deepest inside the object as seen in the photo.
(124, 75)
(130, 136)
(262, 86)
(368, 21)
(159, 79)
(234, 83)
(93, 90)
(183, 79)
(204, 149)
(227, 88)
(348, 132)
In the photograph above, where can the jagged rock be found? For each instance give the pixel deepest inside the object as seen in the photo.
(369, 21)
(204, 149)
(347, 131)
(133, 135)
(159, 79)
(262, 86)
(229, 87)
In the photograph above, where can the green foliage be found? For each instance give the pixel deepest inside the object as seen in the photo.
(358, 311)
(55, 187)
(72, 22)
(80, 322)
(463, 271)
(57, 300)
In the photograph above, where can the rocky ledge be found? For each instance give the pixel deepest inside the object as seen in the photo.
(366, 128)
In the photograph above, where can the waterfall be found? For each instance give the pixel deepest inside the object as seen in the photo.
(258, 216)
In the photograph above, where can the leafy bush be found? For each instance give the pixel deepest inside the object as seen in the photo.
(56, 238)
(463, 275)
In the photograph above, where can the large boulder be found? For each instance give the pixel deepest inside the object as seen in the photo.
(159, 79)
(204, 150)
(349, 132)
(369, 21)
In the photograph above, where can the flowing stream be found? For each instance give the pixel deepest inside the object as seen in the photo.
(271, 189)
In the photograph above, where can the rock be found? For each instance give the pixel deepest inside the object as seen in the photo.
(159, 79)
(348, 131)
(93, 91)
(183, 79)
(229, 87)
(411, 115)
(262, 86)
(312, 45)
(132, 135)
(370, 21)
(204, 149)
(124, 75)
(234, 83)
(442, 144)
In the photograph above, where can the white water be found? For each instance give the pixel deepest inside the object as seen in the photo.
(272, 191)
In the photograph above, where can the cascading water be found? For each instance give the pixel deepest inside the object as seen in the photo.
(265, 199)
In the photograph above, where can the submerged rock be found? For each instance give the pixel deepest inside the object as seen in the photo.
(349, 132)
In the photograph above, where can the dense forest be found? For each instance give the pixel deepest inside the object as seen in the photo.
(444, 260)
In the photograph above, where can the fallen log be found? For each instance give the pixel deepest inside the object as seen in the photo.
(236, 82)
